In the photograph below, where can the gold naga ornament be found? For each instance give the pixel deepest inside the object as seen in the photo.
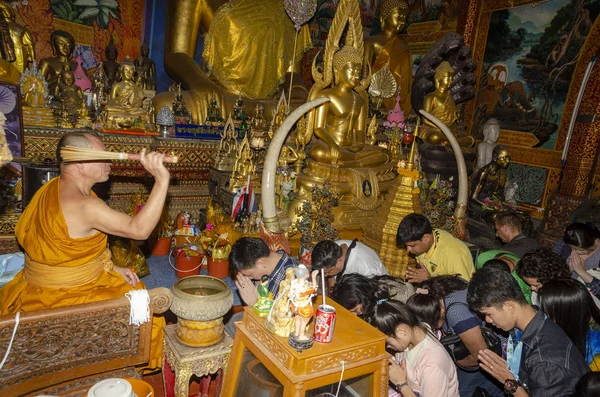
(357, 171)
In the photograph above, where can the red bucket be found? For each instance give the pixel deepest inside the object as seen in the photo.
(186, 265)
(218, 269)
(162, 246)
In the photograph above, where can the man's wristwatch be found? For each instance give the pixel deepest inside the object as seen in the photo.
(511, 386)
(398, 387)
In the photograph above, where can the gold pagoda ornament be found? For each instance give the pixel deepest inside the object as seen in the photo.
(403, 199)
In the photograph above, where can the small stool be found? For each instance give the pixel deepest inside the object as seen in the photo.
(186, 361)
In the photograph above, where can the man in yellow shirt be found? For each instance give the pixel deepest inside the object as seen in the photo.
(64, 232)
(436, 251)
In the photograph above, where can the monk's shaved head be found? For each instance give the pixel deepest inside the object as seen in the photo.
(77, 139)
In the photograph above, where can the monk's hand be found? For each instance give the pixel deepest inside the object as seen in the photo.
(128, 274)
(153, 162)
(494, 365)
(246, 288)
(416, 276)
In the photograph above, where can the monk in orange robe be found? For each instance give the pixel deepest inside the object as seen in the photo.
(64, 233)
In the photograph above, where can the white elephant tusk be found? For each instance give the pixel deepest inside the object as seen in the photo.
(463, 191)
(268, 176)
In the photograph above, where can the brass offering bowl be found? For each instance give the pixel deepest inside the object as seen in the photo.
(200, 302)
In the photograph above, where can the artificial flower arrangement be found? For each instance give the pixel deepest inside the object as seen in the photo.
(315, 217)
(494, 204)
(217, 246)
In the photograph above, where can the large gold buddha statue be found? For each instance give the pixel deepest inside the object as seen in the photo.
(388, 48)
(242, 56)
(18, 46)
(62, 44)
(358, 172)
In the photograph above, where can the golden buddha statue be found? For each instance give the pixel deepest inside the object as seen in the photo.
(125, 104)
(62, 47)
(34, 91)
(67, 93)
(358, 172)
(243, 168)
(236, 62)
(441, 105)
(17, 41)
(228, 148)
(388, 48)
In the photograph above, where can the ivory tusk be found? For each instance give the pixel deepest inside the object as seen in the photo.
(268, 176)
(463, 191)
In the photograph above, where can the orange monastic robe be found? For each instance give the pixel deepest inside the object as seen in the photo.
(63, 271)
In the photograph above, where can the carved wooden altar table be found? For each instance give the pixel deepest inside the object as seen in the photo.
(317, 370)
(186, 361)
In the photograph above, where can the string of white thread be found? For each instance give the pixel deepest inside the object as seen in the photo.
(139, 312)
(17, 317)
(341, 378)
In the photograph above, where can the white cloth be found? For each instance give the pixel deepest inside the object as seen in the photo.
(363, 260)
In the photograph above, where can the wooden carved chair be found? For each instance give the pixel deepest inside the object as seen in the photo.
(64, 351)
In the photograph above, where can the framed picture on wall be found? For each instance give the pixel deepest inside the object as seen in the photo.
(11, 120)
(11, 138)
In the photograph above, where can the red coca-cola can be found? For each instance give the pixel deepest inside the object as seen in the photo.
(324, 324)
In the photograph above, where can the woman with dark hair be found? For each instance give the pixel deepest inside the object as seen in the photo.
(580, 242)
(426, 369)
(569, 304)
(451, 292)
(355, 291)
(428, 310)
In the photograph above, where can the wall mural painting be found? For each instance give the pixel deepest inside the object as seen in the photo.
(443, 11)
(92, 23)
(530, 55)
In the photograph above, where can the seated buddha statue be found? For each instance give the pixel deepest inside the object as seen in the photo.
(67, 93)
(62, 44)
(489, 180)
(126, 98)
(488, 183)
(441, 105)
(341, 123)
(235, 61)
(359, 173)
(388, 48)
(34, 90)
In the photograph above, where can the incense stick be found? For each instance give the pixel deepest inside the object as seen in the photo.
(323, 284)
(71, 154)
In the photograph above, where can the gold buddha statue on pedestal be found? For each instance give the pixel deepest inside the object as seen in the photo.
(243, 168)
(358, 172)
(388, 48)
(125, 104)
(34, 91)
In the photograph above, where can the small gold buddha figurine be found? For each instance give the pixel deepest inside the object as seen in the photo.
(441, 105)
(110, 65)
(279, 116)
(228, 148)
(489, 180)
(243, 168)
(16, 44)
(67, 93)
(388, 48)
(146, 68)
(62, 44)
(125, 104)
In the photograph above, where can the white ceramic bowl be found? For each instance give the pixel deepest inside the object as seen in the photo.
(113, 387)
